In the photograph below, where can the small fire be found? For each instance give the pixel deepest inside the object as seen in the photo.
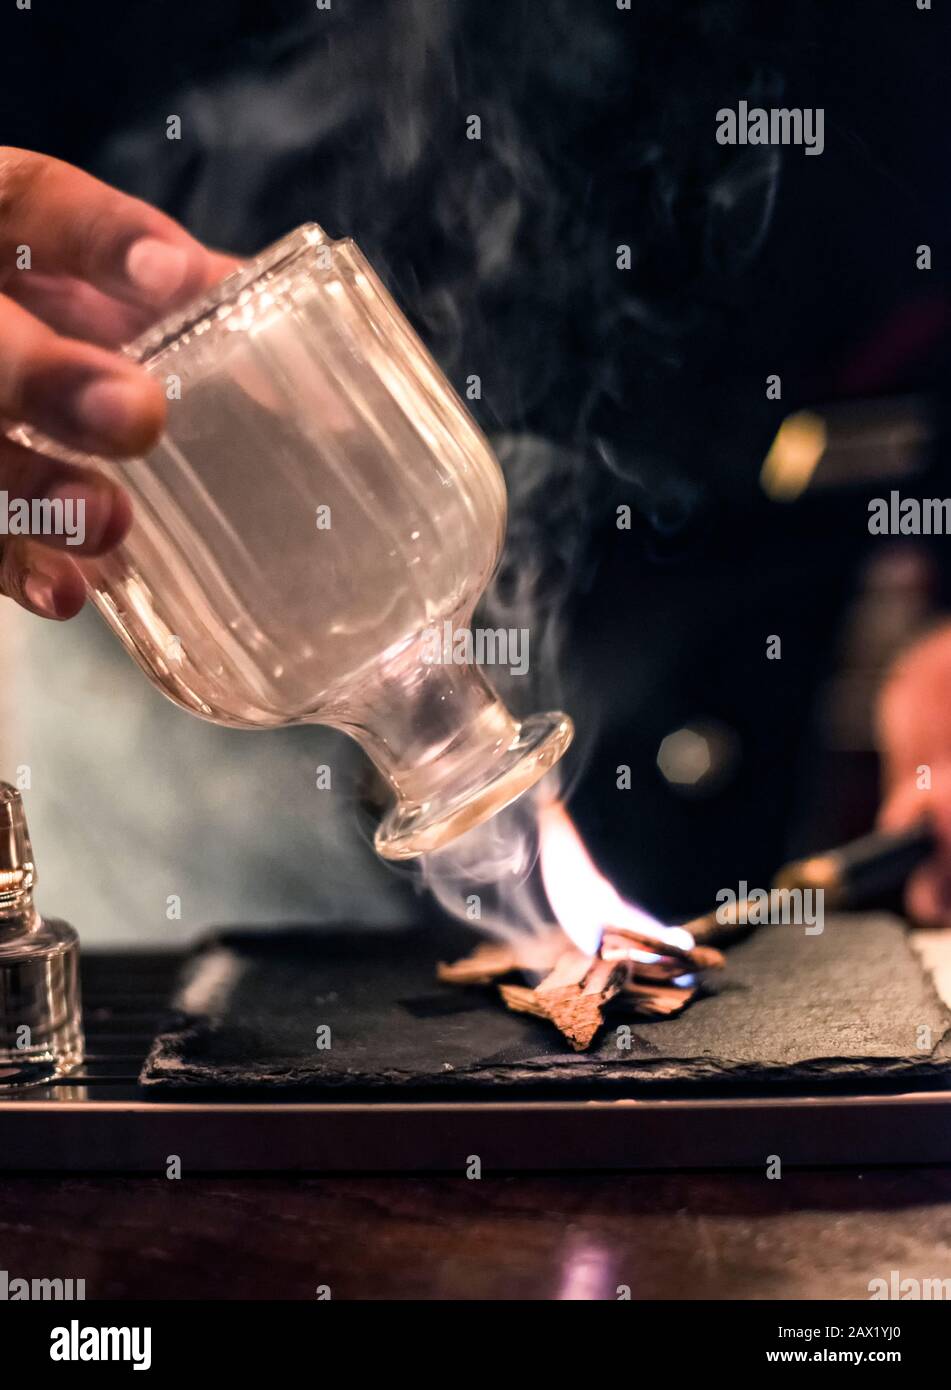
(582, 899)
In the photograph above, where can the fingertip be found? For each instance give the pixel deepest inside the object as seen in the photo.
(146, 419)
(118, 523)
(56, 591)
(155, 269)
(93, 401)
(922, 897)
(162, 272)
(101, 512)
(121, 415)
(69, 594)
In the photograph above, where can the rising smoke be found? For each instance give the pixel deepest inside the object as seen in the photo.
(597, 132)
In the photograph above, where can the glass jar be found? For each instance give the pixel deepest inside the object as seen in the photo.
(41, 1035)
(320, 505)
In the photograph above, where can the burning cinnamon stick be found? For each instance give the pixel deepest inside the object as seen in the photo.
(576, 988)
(618, 939)
(572, 996)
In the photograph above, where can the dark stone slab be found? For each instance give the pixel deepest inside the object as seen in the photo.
(850, 1007)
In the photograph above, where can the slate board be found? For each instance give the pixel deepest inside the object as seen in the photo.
(843, 1009)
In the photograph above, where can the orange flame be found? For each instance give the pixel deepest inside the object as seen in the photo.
(581, 898)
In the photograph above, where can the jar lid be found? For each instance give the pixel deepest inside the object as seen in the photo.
(17, 872)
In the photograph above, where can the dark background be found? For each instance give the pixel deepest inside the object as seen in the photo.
(600, 387)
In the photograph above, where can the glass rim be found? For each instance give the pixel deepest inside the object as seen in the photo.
(273, 260)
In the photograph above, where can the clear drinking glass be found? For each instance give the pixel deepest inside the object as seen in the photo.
(320, 502)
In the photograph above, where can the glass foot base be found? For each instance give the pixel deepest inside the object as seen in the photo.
(412, 829)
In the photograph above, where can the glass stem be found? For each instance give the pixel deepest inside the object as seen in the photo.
(435, 729)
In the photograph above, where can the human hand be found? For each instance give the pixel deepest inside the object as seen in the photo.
(914, 737)
(83, 269)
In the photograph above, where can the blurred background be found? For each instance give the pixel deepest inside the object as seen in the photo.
(601, 388)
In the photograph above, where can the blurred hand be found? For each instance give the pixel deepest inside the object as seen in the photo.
(103, 266)
(914, 732)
